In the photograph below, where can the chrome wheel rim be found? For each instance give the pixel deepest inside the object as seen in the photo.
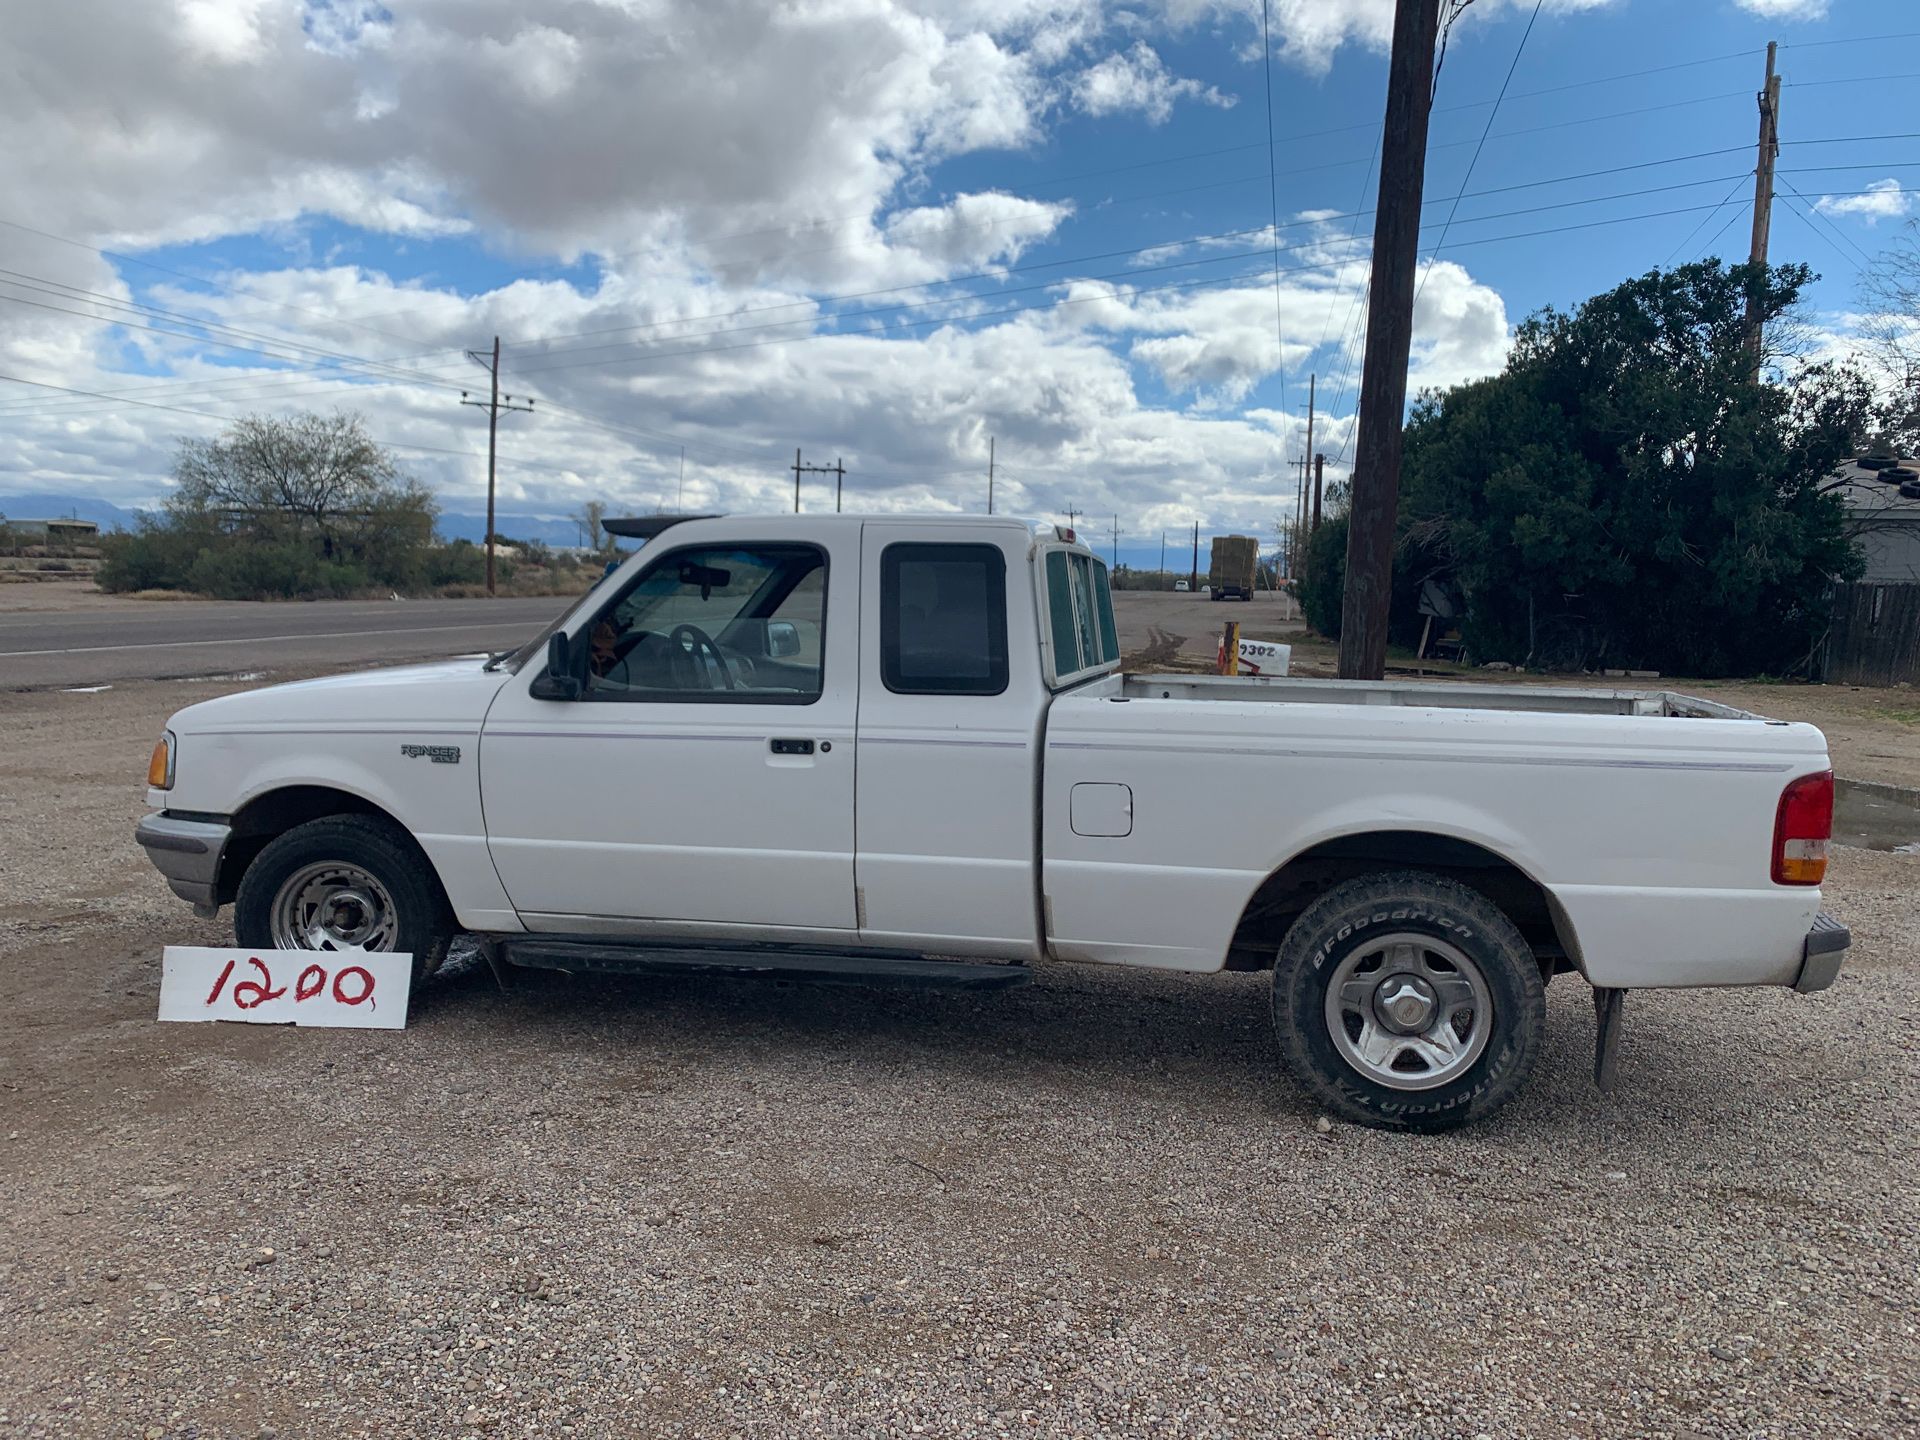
(1408, 1011)
(333, 906)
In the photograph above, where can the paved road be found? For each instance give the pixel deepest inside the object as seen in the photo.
(97, 643)
(75, 638)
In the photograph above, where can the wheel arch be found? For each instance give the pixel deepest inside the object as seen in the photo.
(271, 813)
(1279, 900)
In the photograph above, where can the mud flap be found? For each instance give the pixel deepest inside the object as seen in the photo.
(1608, 1007)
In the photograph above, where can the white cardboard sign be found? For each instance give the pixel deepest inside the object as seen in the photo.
(339, 989)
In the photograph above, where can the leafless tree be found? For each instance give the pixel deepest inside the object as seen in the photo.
(591, 518)
(1891, 290)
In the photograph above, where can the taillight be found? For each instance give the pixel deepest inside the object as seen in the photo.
(1801, 828)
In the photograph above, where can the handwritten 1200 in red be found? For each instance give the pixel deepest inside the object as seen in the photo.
(348, 985)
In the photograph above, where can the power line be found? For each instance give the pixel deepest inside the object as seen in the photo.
(1492, 115)
(1706, 220)
(1273, 207)
(1813, 209)
(1130, 292)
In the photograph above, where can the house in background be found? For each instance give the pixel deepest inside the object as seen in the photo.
(1882, 522)
(60, 535)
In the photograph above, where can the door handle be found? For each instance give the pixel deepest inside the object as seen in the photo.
(790, 747)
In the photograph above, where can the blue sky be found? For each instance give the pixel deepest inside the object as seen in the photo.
(665, 217)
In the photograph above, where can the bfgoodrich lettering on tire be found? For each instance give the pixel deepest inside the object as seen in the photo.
(1408, 1001)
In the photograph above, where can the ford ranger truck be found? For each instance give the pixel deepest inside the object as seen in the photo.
(894, 750)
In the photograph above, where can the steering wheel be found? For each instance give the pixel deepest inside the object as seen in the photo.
(690, 641)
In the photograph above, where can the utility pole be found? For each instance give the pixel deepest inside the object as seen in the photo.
(1163, 554)
(1115, 552)
(1194, 583)
(1070, 514)
(680, 495)
(1383, 377)
(493, 405)
(836, 469)
(1762, 208)
(990, 474)
(1309, 450)
(1319, 469)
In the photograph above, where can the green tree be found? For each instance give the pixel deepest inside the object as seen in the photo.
(1624, 494)
(317, 480)
(305, 505)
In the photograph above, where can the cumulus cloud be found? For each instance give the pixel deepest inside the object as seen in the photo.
(1882, 200)
(723, 170)
(1137, 80)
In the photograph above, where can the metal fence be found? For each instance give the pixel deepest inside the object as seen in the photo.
(1875, 639)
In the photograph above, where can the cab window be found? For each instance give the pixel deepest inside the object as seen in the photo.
(732, 623)
(943, 619)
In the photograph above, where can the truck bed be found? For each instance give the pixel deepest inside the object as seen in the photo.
(1426, 694)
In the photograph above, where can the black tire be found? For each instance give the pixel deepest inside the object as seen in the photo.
(1876, 462)
(1351, 917)
(1899, 474)
(1910, 490)
(425, 921)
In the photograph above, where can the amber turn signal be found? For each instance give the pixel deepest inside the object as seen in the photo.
(160, 767)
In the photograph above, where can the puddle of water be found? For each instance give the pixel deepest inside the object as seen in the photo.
(1876, 817)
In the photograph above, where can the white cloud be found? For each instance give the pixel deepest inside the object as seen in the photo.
(726, 167)
(1882, 200)
(1785, 9)
(1137, 79)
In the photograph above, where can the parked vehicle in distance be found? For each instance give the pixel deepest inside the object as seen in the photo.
(901, 751)
(1180, 586)
(1235, 567)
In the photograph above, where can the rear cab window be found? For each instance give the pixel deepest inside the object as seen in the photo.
(1082, 641)
(943, 619)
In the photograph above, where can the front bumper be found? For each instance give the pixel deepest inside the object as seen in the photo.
(187, 852)
(1820, 954)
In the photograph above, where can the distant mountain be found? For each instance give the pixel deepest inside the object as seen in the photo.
(555, 530)
(59, 507)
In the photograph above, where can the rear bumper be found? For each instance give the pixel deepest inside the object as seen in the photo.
(187, 852)
(1820, 954)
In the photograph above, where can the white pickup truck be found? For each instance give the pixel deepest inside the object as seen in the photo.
(901, 750)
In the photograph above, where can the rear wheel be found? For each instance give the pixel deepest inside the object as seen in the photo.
(1408, 1001)
(346, 882)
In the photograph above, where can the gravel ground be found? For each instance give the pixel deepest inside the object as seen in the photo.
(1093, 1206)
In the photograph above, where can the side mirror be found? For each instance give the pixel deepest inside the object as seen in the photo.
(557, 681)
(783, 639)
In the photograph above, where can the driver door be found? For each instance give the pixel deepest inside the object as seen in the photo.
(704, 779)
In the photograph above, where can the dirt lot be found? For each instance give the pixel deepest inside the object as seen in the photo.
(1089, 1207)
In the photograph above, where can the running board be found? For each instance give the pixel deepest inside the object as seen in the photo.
(822, 967)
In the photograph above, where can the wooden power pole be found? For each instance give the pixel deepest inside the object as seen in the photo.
(493, 405)
(1319, 470)
(1194, 583)
(1383, 376)
(990, 474)
(836, 469)
(1762, 208)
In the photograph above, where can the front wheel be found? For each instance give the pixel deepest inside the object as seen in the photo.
(346, 882)
(1407, 1001)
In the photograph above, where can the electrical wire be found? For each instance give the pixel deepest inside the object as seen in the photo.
(1273, 204)
(1474, 160)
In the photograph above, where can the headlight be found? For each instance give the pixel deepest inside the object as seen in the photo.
(160, 767)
